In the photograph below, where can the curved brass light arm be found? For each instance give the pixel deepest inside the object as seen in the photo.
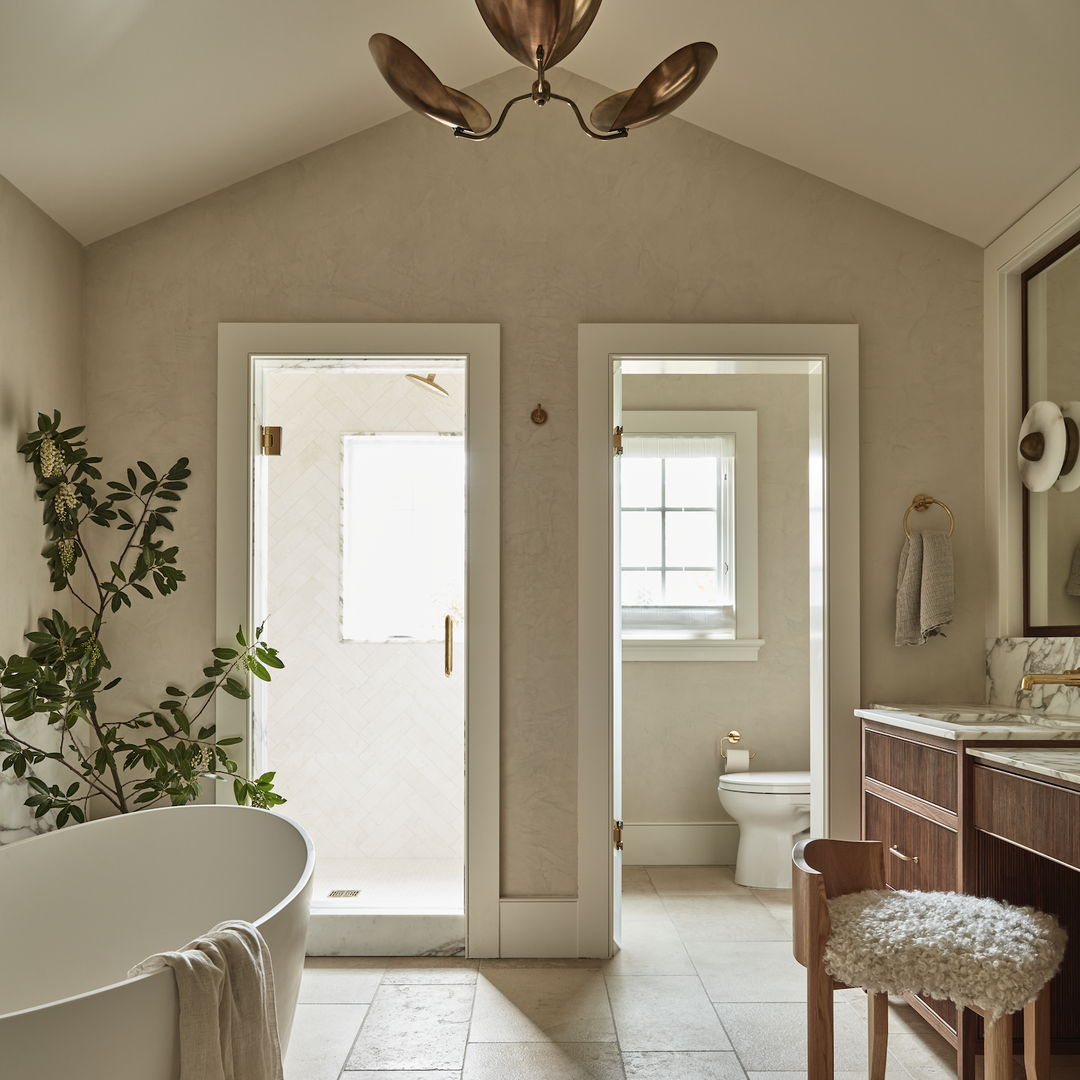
(463, 133)
(618, 133)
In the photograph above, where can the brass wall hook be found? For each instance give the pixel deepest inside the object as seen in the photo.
(538, 416)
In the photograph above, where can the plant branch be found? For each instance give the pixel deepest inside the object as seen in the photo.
(122, 803)
(136, 528)
(102, 599)
(96, 785)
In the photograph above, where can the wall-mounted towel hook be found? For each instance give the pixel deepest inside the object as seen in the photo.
(538, 416)
(924, 502)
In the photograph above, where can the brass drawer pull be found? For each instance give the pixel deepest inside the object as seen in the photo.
(900, 855)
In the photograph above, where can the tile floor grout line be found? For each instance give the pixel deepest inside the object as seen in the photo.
(614, 1023)
(367, 1013)
(678, 933)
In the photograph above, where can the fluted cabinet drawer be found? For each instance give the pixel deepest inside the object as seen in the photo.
(915, 838)
(1042, 817)
(923, 771)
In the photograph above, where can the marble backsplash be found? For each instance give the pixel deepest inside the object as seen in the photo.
(1008, 660)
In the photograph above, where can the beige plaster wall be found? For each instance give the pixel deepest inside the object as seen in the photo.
(40, 370)
(539, 230)
(673, 712)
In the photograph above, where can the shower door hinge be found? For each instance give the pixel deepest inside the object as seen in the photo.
(616, 441)
(270, 440)
(616, 836)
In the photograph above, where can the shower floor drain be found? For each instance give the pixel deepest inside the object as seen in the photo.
(340, 894)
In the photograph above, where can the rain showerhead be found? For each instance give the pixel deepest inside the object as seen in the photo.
(429, 383)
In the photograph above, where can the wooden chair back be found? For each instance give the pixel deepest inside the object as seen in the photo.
(823, 869)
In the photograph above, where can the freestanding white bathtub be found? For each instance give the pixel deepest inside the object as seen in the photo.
(81, 906)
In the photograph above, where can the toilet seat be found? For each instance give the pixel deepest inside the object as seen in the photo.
(767, 783)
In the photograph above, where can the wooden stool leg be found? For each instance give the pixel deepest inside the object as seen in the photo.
(965, 1044)
(1037, 1036)
(997, 1049)
(819, 1024)
(878, 1025)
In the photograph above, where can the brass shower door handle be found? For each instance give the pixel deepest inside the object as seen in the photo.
(448, 646)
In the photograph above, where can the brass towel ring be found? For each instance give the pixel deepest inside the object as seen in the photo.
(924, 502)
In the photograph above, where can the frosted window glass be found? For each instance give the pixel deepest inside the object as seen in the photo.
(641, 588)
(642, 538)
(690, 482)
(404, 536)
(691, 538)
(689, 588)
(640, 482)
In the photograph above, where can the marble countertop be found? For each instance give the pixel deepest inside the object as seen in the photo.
(1057, 764)
(974, 721)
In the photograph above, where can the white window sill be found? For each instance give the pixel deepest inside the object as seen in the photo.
(683, 649)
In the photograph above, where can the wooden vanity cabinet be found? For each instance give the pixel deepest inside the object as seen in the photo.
(983, 830)
(910, 804)
(911, 791)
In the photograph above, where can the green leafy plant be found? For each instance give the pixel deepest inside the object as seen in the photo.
(155, 755)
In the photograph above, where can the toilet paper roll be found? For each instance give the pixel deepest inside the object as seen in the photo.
(738, 761)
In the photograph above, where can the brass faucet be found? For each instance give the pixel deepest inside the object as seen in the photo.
(1066, 678)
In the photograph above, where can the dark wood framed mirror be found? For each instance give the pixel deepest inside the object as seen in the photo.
(1050, 307)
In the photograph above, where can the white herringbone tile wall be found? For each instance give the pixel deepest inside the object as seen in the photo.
(367, 740)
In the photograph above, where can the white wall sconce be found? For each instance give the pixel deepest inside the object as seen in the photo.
(1049, 446)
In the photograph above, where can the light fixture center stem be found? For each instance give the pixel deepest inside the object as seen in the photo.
(541, 91)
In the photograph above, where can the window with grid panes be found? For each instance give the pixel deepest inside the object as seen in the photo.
(678, 535)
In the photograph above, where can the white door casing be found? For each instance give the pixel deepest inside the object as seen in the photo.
(829, 355)
(238, 439)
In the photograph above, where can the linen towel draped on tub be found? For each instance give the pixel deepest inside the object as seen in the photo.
(228, 1018)
(924, 587)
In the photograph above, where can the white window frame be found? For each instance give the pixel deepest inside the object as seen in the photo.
(746, 643)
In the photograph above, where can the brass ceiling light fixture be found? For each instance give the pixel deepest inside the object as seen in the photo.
(541, 34)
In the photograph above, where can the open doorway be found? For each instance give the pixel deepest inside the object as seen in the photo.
(826, 358)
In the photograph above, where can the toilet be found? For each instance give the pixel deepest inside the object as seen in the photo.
(772, 810)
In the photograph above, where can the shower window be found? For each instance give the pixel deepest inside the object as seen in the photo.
(403, 536)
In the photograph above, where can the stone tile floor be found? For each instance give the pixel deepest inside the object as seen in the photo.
(705, 987)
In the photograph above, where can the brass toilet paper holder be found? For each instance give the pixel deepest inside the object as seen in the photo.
(732, 737)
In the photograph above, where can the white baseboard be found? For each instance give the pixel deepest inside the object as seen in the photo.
(680, 843)
(538, 927)
(358, 933)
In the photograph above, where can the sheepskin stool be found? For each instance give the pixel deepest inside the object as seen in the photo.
(981, 954)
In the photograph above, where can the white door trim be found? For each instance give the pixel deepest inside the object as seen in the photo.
(835, 747)
(237, 445)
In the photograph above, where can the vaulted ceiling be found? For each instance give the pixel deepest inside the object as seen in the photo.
(962, 113)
